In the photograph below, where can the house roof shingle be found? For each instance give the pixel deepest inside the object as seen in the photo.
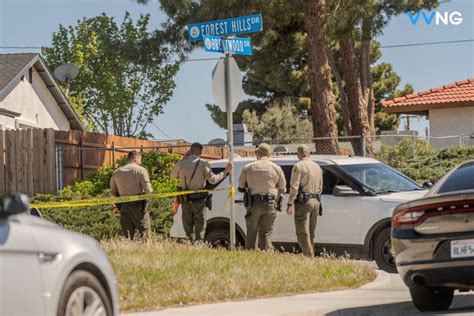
(12, 66)
(455, 94)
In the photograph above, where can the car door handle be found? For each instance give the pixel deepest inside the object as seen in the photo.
(239, 201)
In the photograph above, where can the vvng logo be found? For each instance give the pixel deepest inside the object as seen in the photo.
(439, 18)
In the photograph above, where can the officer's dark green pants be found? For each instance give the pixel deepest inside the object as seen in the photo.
(134, 217)
(305, 224)
(194, 219)
(260, 219)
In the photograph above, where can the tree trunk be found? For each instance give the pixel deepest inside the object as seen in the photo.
(320, 81)
(342, 94)
(357, 104)
(366, 74)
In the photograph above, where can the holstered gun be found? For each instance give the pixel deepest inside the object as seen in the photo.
(182, 199)
(209, 202)
(247, 198)
(278, 203)
(318, 197)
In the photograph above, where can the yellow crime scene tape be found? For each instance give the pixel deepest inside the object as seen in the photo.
(123, 199)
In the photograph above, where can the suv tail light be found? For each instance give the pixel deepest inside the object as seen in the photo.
(416, 215)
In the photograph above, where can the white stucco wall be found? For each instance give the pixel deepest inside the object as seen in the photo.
(451, 122)
(36, 104)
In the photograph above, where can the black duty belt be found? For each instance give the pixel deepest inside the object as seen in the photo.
(304, 197)
(311, 195)
(263, 198)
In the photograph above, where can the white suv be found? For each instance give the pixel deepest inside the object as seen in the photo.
(359, 195)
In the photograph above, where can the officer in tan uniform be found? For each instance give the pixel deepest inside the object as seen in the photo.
(132, 179)
(306, 185)
(193, 172)
(264, 183)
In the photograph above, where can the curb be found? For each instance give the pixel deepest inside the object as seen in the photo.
(381, 279)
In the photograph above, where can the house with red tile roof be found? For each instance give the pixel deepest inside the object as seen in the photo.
(449, 109)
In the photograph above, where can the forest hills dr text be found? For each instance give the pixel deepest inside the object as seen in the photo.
(233, 26)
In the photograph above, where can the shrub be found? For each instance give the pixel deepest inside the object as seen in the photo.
(98, 221)
(401, 155)
(428, 164)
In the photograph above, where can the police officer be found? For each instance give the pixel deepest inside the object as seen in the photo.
(132, 179)
(264, 183)
(305, 193)
(192, 173)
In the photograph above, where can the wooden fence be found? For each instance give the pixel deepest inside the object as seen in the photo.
(42, 160)
(27, 161)
(82, 153)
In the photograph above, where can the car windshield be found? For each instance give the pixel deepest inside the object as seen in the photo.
(380, 178)
(461, 179)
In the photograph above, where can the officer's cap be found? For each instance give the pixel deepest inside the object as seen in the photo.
(264, 149)
(303, 150)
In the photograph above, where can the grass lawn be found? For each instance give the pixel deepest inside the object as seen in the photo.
(156, 274)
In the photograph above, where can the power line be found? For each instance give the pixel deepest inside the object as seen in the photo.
(428, 43)
(162, 131)
(215, 58)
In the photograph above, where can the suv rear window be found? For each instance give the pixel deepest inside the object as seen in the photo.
(461, 179)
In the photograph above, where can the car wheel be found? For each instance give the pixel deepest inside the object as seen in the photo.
(84, 295)
(383, 251)
(219, 238)
(427, 298)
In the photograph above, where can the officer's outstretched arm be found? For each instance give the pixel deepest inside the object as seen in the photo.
(210, 176)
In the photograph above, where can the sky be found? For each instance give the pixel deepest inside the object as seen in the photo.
(32, 22)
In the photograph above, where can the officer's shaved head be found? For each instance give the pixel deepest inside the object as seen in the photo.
(303, 150)
(134, 156)
(264, 150)
(196, 149)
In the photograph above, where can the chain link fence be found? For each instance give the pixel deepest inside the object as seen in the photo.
(364, 145)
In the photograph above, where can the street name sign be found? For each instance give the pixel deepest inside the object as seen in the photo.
(234, 45)
(232, 26)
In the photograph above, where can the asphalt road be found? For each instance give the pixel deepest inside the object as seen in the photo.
(387, 295)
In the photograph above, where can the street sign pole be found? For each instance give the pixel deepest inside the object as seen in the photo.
(230, 140)
(218, 36)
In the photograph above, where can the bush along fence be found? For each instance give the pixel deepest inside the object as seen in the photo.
(42, 161)
(99, 221)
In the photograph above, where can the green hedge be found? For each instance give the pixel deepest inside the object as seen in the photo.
(99, 221)
(429, 163)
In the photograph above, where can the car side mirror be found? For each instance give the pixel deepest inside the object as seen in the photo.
(14, 204)
(428, 184)
(344, 190)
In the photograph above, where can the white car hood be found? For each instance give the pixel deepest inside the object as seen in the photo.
(401, 197)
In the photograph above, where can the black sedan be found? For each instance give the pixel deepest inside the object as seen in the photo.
(433, 240)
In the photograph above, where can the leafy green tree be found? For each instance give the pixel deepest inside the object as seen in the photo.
(281, 122)
(116, 91)
(279, 68)
(385, 85)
